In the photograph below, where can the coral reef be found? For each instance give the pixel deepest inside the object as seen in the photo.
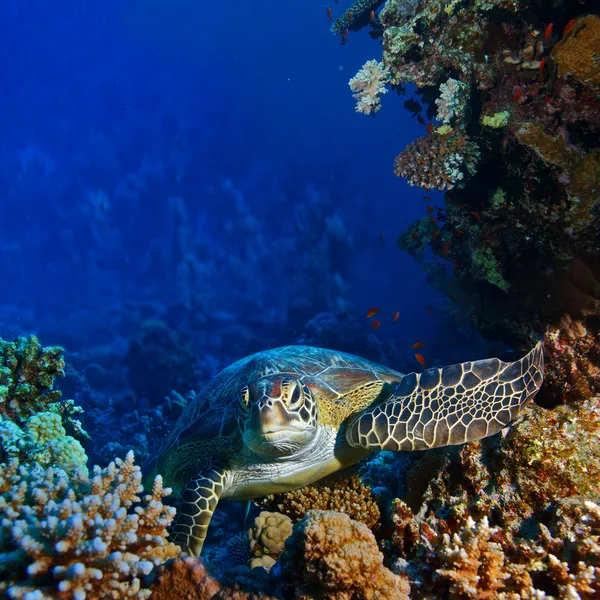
(437, 161)
(343, 493)
(267, 538)
(368, 85)
(519, 89)
(329, 556)
(80, 537)
(355, 17)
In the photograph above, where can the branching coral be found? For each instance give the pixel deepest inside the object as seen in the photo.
(369, 84)
(340, 493)
(331, 557)
(437, 161)
(80, 537)
(452, 103)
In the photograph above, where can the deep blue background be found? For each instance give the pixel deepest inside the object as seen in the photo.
(141, 135)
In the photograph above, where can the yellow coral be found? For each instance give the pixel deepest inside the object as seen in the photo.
(346, 494)
(331, 557)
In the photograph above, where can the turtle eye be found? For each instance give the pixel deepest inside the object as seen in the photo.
(296, 397)
(244, 398)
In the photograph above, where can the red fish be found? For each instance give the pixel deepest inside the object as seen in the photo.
(372, 16)
(435, 233)
(536, 89)
(427, 199)
(430, 209)
(345, 36)
(476, 215)
(329, 13)
(568, 27)
(414, 235)
(548, 32)
(375, 324)
(372, 312)
(395, 317)
(418, 345)
(420, 359)
(517, 96)
(429, 128)
(432, 219)
(445, 248)
(349, 15)
(542, 63)
(460, 232)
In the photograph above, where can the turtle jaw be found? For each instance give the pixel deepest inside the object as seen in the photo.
(280, 441)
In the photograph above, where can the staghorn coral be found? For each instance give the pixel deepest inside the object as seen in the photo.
(369, 84)
(345, 494)
(80, 537)
(437, 161)
(331, 557)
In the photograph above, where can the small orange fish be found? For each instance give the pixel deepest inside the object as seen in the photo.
(476, 215)
(568, 27)
(372, 16)
(542, 62)
(460, 232)
(430, 209)
(418, 345)
(548, 32)
(329, 14)
(345, 36)
(372, 312)
(420, 359)
(547, 98)
(435, 233)
(536, 89)
(517, 96)
(432, 219)
(429, 128)
(395, 317)
(454, 264)
(375, 324)
(414, 235)
(427, 199)
(349, 15)
(445, 248)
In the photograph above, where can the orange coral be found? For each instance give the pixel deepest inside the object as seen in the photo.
(186, 579)
(331, 557)
(342, 493)
(577, 54)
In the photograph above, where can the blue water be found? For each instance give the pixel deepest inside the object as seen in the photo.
(203, 165)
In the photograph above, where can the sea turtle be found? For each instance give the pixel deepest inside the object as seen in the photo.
(281, 419)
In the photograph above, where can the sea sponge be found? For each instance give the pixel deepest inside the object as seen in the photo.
(331, 557)
(342, 493)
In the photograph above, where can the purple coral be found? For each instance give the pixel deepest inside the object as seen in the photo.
(437, 161)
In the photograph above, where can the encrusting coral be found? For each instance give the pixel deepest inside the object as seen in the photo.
(80, 537)
(331, 557)
(341, 493)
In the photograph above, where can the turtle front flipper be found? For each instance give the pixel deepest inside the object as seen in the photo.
(453, 405)
(198, 502)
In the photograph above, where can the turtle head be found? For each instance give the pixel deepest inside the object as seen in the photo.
(277, 415)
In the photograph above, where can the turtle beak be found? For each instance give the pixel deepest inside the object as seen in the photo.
(269, 418)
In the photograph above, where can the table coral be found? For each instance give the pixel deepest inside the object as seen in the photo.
(342, 493)
(80, 537)
(331, 557)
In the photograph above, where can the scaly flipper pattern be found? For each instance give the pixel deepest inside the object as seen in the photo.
(198, 502)
(453, 405)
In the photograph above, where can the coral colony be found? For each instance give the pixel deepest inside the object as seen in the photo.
(511, 137)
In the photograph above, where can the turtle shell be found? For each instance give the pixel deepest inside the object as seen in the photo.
(341, 383)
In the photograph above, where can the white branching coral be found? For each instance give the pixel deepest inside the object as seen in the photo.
(368, 84)
(80, 537)
(452, 102)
